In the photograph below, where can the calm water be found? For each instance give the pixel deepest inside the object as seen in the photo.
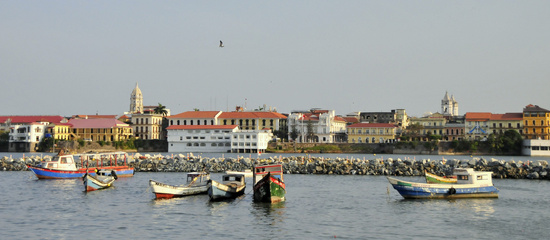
(317, 207)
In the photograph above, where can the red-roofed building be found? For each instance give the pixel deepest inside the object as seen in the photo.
(500, 123)
(194, 118)
(26, 132)
(371, 133)
(478, 125)
(254, 120)
(318, 126)
(100, 129)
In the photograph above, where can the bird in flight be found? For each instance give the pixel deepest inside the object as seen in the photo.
(221, 43)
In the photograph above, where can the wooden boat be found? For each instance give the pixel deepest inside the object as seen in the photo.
(268, 182)
(102, 179)
(247, 173)
(63, 166)
(469, 184)
(197, 183)
(432, 178)
(232, 186)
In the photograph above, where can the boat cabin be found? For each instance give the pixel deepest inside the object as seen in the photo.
(274, 170)
(233, 178)
(61, 162)
(197, 178)
(469, 176)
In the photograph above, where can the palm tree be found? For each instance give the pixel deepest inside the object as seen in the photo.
(161, 110)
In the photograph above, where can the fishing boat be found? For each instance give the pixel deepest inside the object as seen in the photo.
(197, 183)
(64, 166)
(102, 179)
(469, 184)
(247, 173)
(432, 178)
(268, 182)
(232, 186)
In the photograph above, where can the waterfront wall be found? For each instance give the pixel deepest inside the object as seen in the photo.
(340, 166)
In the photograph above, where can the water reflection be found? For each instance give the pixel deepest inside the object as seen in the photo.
(268, 213)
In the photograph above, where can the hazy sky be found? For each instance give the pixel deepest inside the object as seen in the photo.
(85, 57)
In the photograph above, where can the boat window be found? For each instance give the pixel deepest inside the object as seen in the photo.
(462, 177)
(480, 177)
(63, 160)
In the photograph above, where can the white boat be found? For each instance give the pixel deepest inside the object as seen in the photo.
(246, 173)
(197, 183)
(469, 184)
(232, 186)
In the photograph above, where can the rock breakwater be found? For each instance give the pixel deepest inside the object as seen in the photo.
(316, 165)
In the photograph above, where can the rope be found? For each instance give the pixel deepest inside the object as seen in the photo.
(243, 196)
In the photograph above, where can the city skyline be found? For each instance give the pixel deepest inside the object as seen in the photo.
(66, 58)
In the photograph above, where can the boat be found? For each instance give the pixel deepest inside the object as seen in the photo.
(102, 179)
(197, 183)
(432, 178)
(268, 182)
(247, 173)
(469, 184)
(63, 166)
(232, 186)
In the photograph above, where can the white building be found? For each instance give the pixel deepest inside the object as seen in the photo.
(136, 101)
(250, 141)
(25, 137)
(216, 138)
(324, 125)
(449, 106)
(536, 147)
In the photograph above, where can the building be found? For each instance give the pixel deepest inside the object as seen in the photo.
(454, 131)
(253, 120)
(59, 131)
(195, 118)
(433, 124)
(476, 125)
(147, 126)
(500, 123)
(136, 101)
(317, 126)
(536, 122)
(371, 133)
(100, 129)
(217, 138)
(536, 147)
(26, 132)
(200, 138)
(449, 106)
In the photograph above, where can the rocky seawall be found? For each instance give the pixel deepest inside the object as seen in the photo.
(315, 165)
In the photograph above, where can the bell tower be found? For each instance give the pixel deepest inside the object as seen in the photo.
(136, 101)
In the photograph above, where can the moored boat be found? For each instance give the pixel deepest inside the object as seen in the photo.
(197, 183)
(432, 178)
(64, 166)
(232, 186)
(470, 184)
(102, 179)
(269, 184)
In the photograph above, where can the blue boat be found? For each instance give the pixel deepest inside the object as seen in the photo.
(63, 166)
(102, 179)
(469, 184)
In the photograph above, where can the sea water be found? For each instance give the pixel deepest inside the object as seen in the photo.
(317, 207)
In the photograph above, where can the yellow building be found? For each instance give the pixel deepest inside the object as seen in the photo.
(253, 120)
(536, 122)
(371, 133)
(60, 131)
(101, 129)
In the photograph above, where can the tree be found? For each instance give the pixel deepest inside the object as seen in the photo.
(160, 109)
(293, 132)
(414, 130)
(310, 132)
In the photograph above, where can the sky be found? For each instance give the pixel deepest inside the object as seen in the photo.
(85, 57)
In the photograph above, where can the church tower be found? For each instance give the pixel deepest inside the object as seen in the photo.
(136, 101)
(449, 106)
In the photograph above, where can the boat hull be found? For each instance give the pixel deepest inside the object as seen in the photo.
(91, 183)
(165, 191)
(45, 173)
(411, 190)
(269, 189)
(218, 191)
